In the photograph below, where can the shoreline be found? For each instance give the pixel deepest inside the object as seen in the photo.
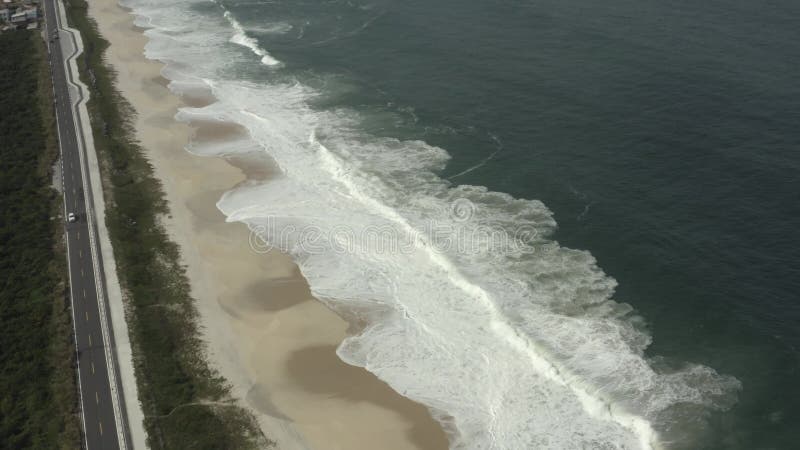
(272, 341)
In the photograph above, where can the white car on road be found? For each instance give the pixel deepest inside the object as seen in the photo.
(71, 217)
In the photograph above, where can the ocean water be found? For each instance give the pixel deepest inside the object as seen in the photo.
(557, 224)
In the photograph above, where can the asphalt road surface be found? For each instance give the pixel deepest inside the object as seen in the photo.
(99, 424)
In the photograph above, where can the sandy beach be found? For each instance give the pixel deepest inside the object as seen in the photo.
(266, 334)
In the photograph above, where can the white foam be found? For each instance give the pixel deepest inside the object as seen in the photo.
(240, 37)
(510, 347)
(592, 404)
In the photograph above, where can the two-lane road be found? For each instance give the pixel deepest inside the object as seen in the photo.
(98, 413)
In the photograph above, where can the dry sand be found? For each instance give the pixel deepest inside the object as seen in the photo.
(273, 342)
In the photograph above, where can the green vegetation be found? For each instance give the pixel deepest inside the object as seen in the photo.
(186, 404)
(38, 395)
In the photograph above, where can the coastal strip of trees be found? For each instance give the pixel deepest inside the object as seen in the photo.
(38, 394)
(186, 403)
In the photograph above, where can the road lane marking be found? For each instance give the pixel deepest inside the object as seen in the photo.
(82, 274)
(101, 427)
(96, 397)
(79, 235)
(90, 340)
(87, 316)
(92, 367)
(80, 253)
(84, 293)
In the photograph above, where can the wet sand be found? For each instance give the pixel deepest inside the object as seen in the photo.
(266, 334)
